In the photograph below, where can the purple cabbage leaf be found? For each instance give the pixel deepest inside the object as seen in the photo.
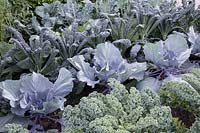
(173, 52)
(194, 39)
(167, 59)
(108, 63)
(35, 93)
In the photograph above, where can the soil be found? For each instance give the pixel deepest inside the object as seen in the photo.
(74, 99)
(186, 117)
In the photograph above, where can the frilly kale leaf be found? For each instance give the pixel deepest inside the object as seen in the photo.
(195, 126)
(108, 63)
(16, 128)
(183, 92)
(119, 111)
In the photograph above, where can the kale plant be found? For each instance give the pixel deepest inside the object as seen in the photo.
(37, 56)
(58, 14)
(121, 111)
(108, 63)
(16, 128)
(97, 31)
(183, 92)
(69, 42)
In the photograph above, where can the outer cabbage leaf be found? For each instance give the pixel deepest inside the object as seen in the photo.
(133, 71)
(63, 85)
(155, 53)
(107, 57)
(150, 83)
(194, 39)
(176, 42)
(86, 72)
(108, 63)
(36, 93)
(13, 91)
(174, 51)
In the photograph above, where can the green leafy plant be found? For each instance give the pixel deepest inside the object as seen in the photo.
(120, 111)
(6, 18)
(195, 127)
(183, 92)
(179, 126)
(16, 128)
(38, 55)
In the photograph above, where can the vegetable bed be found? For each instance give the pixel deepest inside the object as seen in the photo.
(99, 66)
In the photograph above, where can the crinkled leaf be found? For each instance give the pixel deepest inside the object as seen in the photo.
(150, 83)
(10, 89)
(26, 64)
(107, 56)
(176, 43)
(133, 71)
(11, 118)
(35, 83)
(155, 52)
(86, 72)
(64, 83)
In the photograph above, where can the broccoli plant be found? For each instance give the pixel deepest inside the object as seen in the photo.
(121, 111)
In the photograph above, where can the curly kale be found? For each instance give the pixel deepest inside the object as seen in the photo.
(16, 128)
(121, 111)
(196, 126)
(183, 92)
